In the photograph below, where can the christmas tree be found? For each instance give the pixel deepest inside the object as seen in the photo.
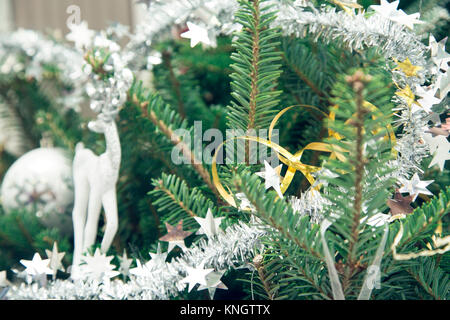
(248, 149)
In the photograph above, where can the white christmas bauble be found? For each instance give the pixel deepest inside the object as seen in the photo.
(41, 182)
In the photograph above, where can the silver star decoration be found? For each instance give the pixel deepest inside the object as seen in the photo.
(386, 9)
(55, 258)
(99, 267)
(125, 264)
(196, 276)
(428, 98)
(444, 84)
(408, 20)
(157, 263)
(389, 11)
(213, 283)
(272, 177)
(438, 54)
(198, 34)
(158, 258)
(4, 280)
(442, 153)
(37, 266)
(209, 225)
(141, 270)
(415, 186)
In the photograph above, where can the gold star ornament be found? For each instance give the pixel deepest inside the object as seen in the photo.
(407, 67)
(407, 94)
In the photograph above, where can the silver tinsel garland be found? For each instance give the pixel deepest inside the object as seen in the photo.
(232, 248)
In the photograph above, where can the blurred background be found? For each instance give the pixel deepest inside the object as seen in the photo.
(51, 15)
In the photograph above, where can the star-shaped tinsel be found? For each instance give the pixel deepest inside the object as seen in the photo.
(407, 67)
(407, 94)
(125, 264)
(400, 204)
(443, 81)
(209, 225)
(141, 270)
(158, 258)
(196, 276)
(197, 34)
(272, 177)
(441, 154)
(156, 264)
(428, 97)
(99, 267)
(415, 186)
(81, 35)
(213, 283)
(175, 236)
(55, 258)
(390, 12)
(37, 266)
(438, 54)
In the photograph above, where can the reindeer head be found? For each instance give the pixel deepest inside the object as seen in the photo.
(101, 123)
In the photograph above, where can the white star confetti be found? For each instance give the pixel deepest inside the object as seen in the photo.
(428, 98)
(196, 276)
(125, 264)
(99, 267)
(209, 225)
(415, 186)
(198, 34)
(37, 266)
(390, 11)
(213, 283)
(55, 258)
(442, 153)
(272, 177)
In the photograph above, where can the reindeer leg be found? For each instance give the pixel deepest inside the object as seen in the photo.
(81, 188)
(112, 220)
(94, 209)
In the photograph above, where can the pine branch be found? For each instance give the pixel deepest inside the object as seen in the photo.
(357, 81)
(166, 121)
(432, 278)
(255, 69)
(177, 201)
(280, 216)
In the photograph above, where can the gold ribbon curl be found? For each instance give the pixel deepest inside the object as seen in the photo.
(293, 161)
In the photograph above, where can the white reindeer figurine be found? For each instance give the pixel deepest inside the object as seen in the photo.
(95, 179)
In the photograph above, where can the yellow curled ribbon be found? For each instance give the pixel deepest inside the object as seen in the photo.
(293, 160)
